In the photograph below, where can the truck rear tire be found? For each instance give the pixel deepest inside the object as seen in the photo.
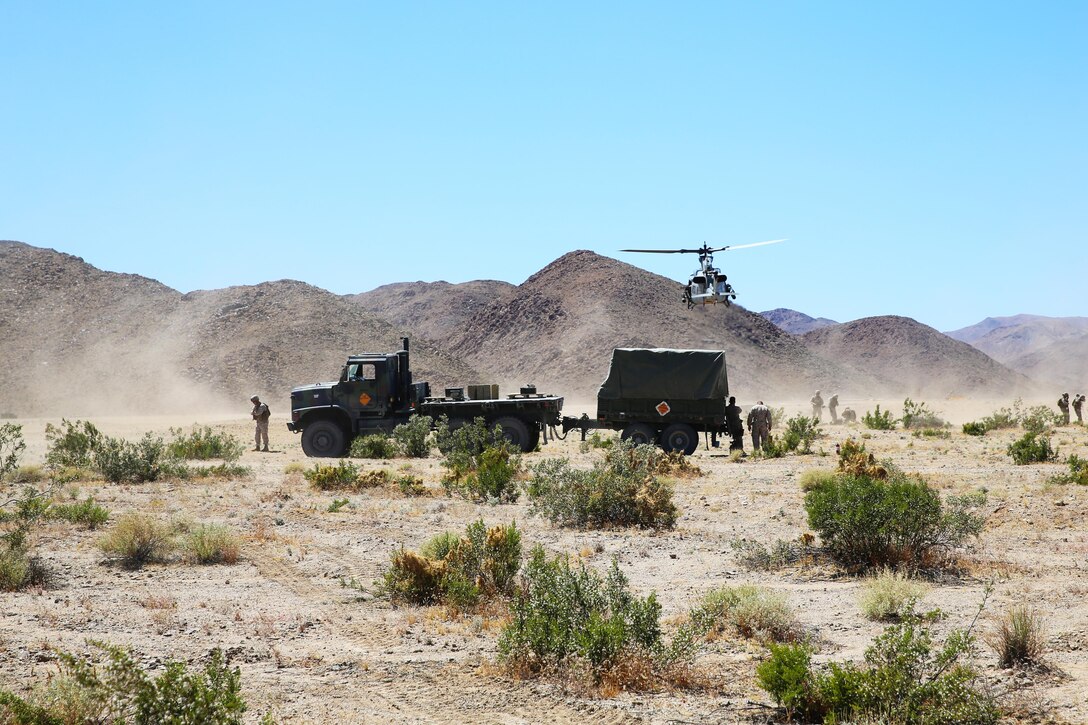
(515, 431)
(323, 439)
(640, 434)
(680, 437)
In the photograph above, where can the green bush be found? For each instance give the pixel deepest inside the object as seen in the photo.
(598, 441)
(86, 512)
(906, 677)
(20, 567)
(975, 428)
(889, 594)
(203, 443)
(877, 420)
(567, 617)
(12, 446)
(814, 478)
(337, 504)
(1032, 448)
(121, 691)
(325, 477)
(121, 461)
(620, 490)
(411, 485)
(1078, 471)
(212, 544)
(1039, 419)
(219, 470)
(748, 611)
(480, 463)
(917, 415)
(137, 539)
(801, 430)
(866, 522)
(72, 444)
(931, 433)
(413, 437)
(373, 446)
(457, 570)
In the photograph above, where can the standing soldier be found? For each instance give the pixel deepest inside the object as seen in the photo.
(261, 414)
(759, 423)
(1063, 406)
(1078, 401)
(735, 425)
(832, 406)
(817, 407)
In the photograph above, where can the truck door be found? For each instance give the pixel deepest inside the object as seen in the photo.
(366, 388)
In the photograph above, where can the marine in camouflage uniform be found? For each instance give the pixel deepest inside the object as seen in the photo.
(1063, 406)
(832, 407)
(849, 416)
(1078, 402)
(759, 423)
(817, 407)
(735, 425)
(260, 414)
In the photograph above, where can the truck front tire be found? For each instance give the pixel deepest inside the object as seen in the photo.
(680, 437)
(323, 439)
(640, 434)
(517, 433)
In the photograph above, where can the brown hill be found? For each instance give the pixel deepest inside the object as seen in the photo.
(558, 329)
(1056, 367)
(81, 341)
(919, 359)
(1050, 350)
(794, 322)
(435, 310)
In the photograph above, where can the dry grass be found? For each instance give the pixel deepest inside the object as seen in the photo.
(1020, 638)
(885, 595)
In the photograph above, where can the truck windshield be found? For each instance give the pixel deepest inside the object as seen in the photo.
(360, 371)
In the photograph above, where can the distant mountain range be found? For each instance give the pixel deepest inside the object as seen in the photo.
(794, 322)
(82, 341)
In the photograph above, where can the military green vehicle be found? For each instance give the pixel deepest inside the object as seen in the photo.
(376, 393)
(661, 397)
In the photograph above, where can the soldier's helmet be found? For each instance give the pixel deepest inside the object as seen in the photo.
(254, 398)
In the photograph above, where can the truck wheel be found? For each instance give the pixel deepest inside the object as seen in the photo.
(680, 437)
(515, 431)
(534, 438)
(640, 434)
(323, 439)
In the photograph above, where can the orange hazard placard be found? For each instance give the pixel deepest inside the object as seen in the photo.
(365, 399)
(663, 408)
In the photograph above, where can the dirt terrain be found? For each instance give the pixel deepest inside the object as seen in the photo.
(313, 650)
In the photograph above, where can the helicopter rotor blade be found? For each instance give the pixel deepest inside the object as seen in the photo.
(663, 251)
(745, 246)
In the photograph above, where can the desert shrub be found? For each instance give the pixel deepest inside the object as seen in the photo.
(203, 443)
(747, 611)
(12, 446)
(20, 567)
(480, 463)
(413, 437)
(772, 448)
(137, 539)
(337, 504)
(119, 690)
(326, 477)
(373, 446)
(756, 556)
(1031, 448)
(86, 512)
(598, 441)
(814, 478)
(866, 522)
(672, 463)
(28, 473)
(975, 428)
(906, 677)
(1078, 471)
(878, 420)
(121, 461)
(220, 470)
(918, 415)
(71, 444)
(1003, 417)
(1038, 419)
(931, 433)
(888, 594)
(777, 416)
(568, 617)
(411, 485)
(458, 570)
(620, 490)
(800, 431)
(854, 460)
(212, 544)
(1020, 638)
(294, 467)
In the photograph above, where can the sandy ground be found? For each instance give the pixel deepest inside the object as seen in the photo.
(313, 650)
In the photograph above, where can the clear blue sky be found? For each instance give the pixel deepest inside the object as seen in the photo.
(924, 158)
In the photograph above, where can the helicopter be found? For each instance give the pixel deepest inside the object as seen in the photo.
(707, 286)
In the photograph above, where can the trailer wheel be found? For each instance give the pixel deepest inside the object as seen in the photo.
(515, 431)
(640, 434)
(323, 439)
(534, 438)
(680, 437)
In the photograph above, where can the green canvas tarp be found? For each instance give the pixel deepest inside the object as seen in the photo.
(663, 373)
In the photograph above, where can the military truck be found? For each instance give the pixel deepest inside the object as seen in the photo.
(661, 397)
(376, 393)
